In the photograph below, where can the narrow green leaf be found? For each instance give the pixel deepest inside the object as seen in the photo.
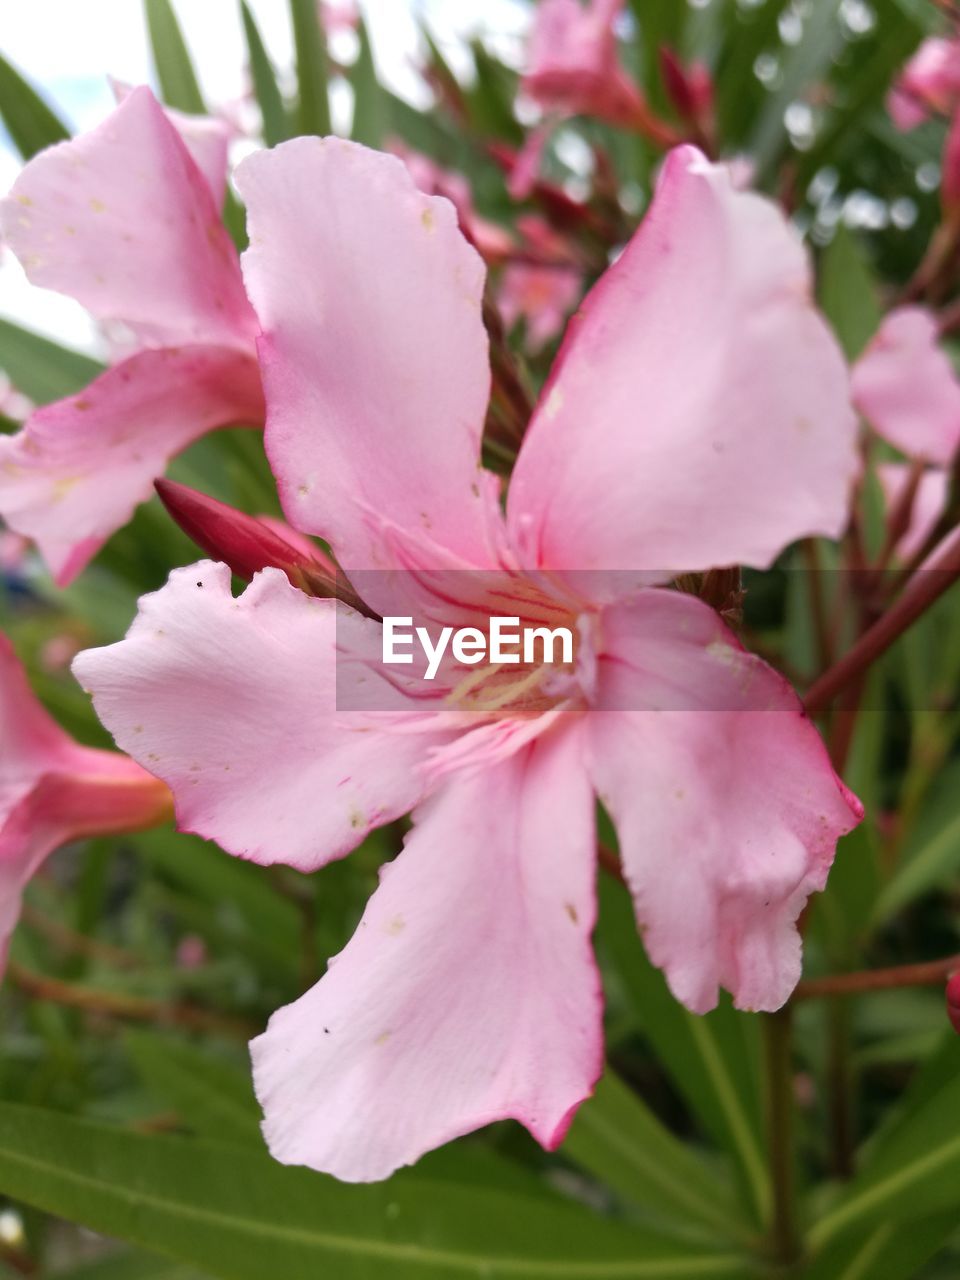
(131, 1266)
(242, 1216)
(30, 122)
(912, 1172)
(370, 105)
(178, 80)
(892, 1250)
(273, 113)
(931, 855)
(620, 1141)
(848, 293)
(313, 108)
(712, 1060)
(42, 369)
(803, 65)
(211, 1096)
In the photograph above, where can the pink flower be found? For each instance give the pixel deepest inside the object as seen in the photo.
(905, 386)
(930, 82)
(53, 791)
(929, 503)
(573, 68)
(697, 414)
(542, 293)
(126, 219)
(573, 65)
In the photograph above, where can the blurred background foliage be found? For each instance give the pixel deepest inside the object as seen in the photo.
(142, 966)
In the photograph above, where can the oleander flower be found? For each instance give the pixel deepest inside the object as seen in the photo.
(697, 414)
(54, 791)
(126, 219)
(573, 68)
(906, 387)
(930, 82)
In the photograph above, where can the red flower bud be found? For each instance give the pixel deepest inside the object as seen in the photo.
(248, 545)
(953, 1001)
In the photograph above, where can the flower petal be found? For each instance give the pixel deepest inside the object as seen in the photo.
(468, 993)
(234, 704)
(929, 503)
(376, 375)
(905, 386)
(122, 219)
(207, 140)
(78, 469)
(726, 805)
(698, 411)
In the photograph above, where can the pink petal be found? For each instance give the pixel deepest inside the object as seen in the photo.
(929, 503)
(468, 993)
(930, 81)
(206, 139)
(376, 373)
(79, 468)
(234, 704)
(52, 790)
(698, 411)
(122, 219)
(724, 800)
(905, 386)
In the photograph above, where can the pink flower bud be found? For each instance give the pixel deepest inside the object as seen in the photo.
(244, 542)
(953, 1001)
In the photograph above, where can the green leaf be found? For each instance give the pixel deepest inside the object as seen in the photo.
(370, 105)
(213, 1097)
(912, 1172)
(931, 855)
(713, 1060)
(242, 1216)
(892, 1250)
(30, 122)
(313, 104)
(42, 369)
(805, 64)
(273, 113)
(178, 80)
(131, 1266)
(620, 1141)
(848, 293)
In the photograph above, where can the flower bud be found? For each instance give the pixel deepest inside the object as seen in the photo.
(953, 1001)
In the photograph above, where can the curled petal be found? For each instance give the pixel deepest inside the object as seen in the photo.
(234, 704)
(468, 993)
(725, 803)
(698, 412)
(77, 470)
(122, 219)
(905, 386)
(376, 375)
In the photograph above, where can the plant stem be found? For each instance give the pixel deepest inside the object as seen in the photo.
(925, 974)
(783, 1239)
(922, 591)
(117, 1004)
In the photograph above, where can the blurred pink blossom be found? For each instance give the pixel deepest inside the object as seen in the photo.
(906, 387)
(930, 82)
